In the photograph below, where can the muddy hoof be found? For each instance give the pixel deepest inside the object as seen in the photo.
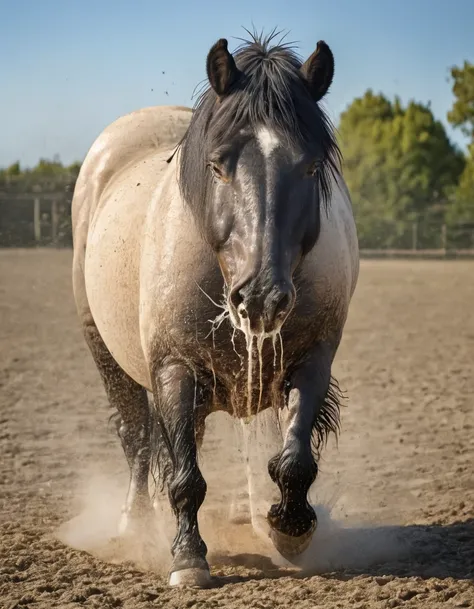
(290, 547)
(194, 578)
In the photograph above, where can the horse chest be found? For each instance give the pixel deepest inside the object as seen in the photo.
(239, 376)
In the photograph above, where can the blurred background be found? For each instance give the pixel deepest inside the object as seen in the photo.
(402, 99)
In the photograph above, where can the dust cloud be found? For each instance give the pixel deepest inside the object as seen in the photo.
(232, 519)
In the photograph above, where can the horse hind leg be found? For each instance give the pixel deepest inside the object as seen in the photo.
(133, 426)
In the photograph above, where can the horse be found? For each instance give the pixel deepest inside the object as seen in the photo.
(215, 256)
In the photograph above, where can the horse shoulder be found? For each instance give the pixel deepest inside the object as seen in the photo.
(333, 264)
(128, 140)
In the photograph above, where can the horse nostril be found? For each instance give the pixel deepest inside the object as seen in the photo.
(236, 298)
(278, 305)
(243, 312)
(260, 306)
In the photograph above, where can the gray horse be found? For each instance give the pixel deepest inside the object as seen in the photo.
(236, 213)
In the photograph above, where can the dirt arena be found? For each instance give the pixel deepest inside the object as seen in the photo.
(395, 500)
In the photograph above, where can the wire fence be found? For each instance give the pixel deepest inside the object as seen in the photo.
(44, 220)
(35, 219)
(429, 238)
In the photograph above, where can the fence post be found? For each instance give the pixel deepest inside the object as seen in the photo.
(414, 236)
(37, 219)
(444, 238)
(54, 222)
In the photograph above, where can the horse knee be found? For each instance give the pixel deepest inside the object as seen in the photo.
(187, 487)
(136, 431)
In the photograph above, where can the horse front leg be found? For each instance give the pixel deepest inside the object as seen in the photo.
(312, 411)
(175, 397)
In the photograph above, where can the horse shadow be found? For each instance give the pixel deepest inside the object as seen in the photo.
(343, 553)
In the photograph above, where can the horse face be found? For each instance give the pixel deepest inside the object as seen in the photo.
(263, 218)
(255, 161)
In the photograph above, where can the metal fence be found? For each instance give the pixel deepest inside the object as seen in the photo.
(429, 238)
(44, 219)
(35, 219)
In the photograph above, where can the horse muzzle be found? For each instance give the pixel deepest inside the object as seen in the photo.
(262, 311)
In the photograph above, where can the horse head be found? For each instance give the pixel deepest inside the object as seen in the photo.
(255, 167)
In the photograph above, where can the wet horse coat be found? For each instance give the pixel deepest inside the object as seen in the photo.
(219, 277)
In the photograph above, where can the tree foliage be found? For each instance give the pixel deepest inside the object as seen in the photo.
(462, 207)
(47, 175)
(462, 116)
(462, 112)
(399, 164)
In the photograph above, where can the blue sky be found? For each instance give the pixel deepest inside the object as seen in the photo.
(68, 68)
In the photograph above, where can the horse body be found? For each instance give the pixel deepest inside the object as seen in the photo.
(131, 229)
(207, 326)
(109, 211)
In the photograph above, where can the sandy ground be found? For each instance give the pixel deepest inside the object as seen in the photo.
(395, 499)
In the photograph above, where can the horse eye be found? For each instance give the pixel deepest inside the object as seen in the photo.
(217, 170)
(313, 169)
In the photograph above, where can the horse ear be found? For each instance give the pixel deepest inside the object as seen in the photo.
(318, 70)
(221, 69)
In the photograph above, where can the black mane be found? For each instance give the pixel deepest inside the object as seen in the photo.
(271, 92)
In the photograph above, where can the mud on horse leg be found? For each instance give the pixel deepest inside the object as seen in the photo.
(175, 396)
(313, 409)
(133, 426)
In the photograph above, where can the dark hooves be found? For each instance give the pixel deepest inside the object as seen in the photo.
(291, 547)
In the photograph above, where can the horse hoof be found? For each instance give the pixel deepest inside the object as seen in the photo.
(194, 578)
(290, 547)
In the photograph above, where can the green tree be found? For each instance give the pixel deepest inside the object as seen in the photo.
(462, 116)
(13, 170)
(74, 168)
(462, 113)
(399, 165)
(46, 176)
(10, 174)
(461, 210)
